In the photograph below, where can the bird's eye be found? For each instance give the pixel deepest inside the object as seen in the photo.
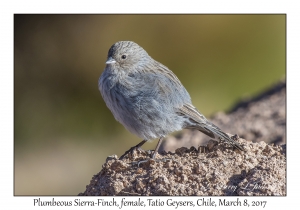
(123, 57)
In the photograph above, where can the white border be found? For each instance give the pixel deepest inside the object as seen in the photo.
(8, 8)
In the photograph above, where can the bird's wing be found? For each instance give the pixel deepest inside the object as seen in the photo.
(192, 112)
(162, 69)
(195, 116)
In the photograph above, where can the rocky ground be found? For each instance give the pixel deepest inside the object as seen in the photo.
(216, 169)
(209, 168)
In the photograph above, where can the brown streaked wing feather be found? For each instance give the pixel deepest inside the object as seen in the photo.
(192, 112)
(163, 70)
(203, 130)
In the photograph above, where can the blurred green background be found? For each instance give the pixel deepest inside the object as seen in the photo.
(63, 130)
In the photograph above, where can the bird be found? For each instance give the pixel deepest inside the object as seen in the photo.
(148, 99)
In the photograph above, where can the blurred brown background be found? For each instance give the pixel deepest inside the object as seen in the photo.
(62, 129)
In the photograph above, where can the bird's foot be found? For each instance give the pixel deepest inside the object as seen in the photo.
(131, 151)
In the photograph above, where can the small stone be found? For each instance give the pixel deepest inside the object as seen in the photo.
(112, 157)
(181, 151)
(211, 144)
(139, 171)
(117, 187)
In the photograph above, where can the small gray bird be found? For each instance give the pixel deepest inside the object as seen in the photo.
(148, 99)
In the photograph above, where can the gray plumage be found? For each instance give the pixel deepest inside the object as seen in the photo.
(147, 98)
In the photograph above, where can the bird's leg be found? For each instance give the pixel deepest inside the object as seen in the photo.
(157, 147)
(138, 146)
(153, 154)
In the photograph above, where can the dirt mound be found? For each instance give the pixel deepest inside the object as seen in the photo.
(216, 169)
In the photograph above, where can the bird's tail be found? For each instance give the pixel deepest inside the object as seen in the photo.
(216, 133)
(196, 120)
(220, 134)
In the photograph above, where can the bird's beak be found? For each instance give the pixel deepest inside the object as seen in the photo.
(110, 60)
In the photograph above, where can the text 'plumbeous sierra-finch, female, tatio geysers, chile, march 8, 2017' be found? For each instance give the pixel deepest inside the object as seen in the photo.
(148, 98)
